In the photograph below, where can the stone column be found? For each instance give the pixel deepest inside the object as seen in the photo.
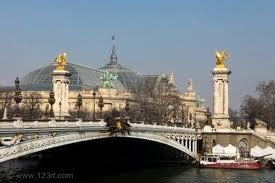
(220, 117)
(184, 142)
(193, 145)
(195, 148)
(189, 144)
(61, 91)
(215, 93)
(226, 97)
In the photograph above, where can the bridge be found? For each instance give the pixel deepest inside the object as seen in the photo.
(27, 137)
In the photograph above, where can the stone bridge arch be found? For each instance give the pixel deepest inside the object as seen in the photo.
(185, 144)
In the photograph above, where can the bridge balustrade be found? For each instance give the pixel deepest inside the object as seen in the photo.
(41, 135)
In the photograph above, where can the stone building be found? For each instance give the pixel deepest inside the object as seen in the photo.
(87, 82)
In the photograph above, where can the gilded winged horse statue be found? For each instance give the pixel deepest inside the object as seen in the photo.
(61, 61)
(220, 59)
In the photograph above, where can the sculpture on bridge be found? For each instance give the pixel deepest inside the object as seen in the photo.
(119, 125)
(61, 61)
(220, 59)
(8, 141)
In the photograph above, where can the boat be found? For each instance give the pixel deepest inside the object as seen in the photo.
(227, 163)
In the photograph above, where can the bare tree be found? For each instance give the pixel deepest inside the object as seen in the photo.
(31, 106)
(157, 104)
(234, 117)
(266, 93)
(251, 109)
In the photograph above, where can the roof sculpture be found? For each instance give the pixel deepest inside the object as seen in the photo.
(108, 79)
(127, 77)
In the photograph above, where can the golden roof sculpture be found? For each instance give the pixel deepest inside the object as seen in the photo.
(220, 59)
(61, 61)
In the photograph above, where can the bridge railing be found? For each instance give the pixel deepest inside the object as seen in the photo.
(20, 123)
(53, 125)
(166, 128)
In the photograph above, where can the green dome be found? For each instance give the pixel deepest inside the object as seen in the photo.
(127, 77)
(81, 77)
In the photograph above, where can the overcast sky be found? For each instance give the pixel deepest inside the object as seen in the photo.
(153, 36)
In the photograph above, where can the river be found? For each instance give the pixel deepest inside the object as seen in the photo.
(30, 171)
(119, 160)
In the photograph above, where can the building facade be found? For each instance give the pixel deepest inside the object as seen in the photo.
(93, 84)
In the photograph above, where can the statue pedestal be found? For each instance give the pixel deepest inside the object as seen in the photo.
(220, 117)
(61, 90)
(222, 122)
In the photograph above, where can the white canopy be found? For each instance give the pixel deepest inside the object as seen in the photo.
(270, 151)
(272, 156)
(256, 151)
(230, 150)
(217, 149)
(267, 150)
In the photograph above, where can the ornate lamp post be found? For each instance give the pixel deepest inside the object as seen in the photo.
(17, 96)
(208, 117)
(182, 114)
(60, 105)
(195, 120)
(46, 111)
(127, 106)
(190, 119)
(141, 115)
(79, 104)
(100, 105)
(51, 102)
(94, 94)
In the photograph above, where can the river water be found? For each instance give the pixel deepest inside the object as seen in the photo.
(119, 161)
(29, 171)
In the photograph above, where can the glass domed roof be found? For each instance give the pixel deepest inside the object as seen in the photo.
(127, 77)
(41, 79)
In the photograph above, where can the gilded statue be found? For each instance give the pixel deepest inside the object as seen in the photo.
(61, 61)
(220, 59)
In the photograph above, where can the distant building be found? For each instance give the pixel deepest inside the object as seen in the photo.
(85, 80)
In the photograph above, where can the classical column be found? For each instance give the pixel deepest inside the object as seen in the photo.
(61, 87)
(220, 117)
(215, 93)
(195, 148)
(192, 146)
(226, 97)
